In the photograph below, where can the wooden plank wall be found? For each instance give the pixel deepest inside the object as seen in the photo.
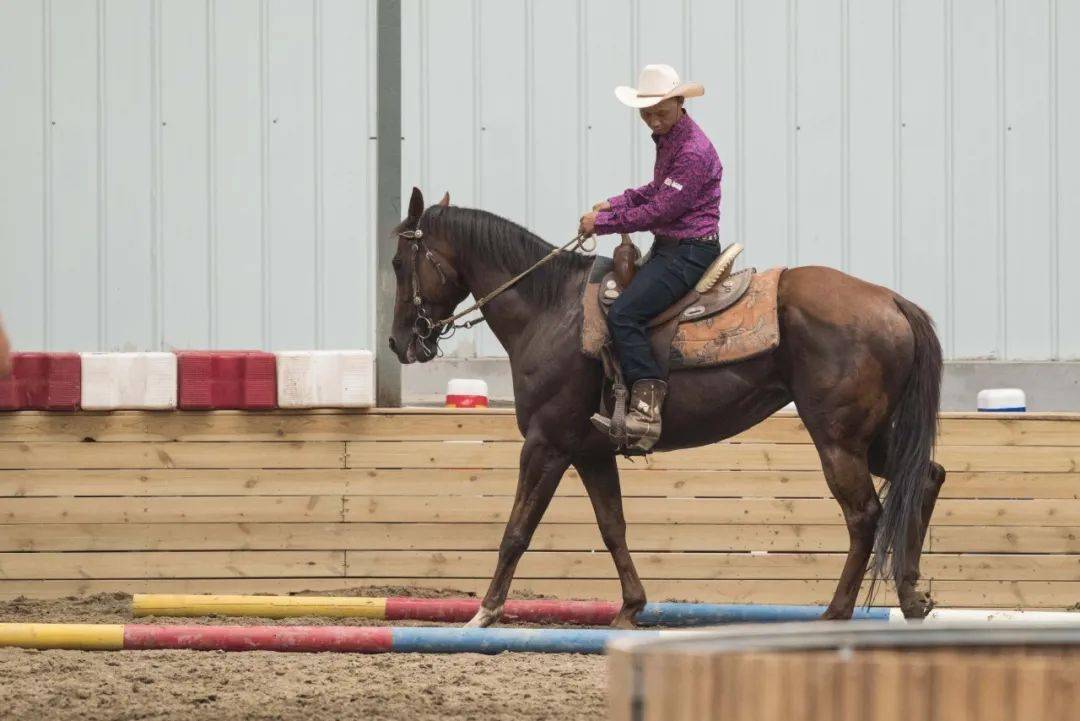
(285, 501)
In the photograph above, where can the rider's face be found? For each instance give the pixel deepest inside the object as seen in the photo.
(662, 117)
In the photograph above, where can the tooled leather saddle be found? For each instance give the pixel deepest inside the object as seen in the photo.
(733, 319)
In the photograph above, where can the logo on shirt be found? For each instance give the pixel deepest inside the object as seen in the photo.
(672, 183)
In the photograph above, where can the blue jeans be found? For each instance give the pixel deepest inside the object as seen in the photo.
(670, 273)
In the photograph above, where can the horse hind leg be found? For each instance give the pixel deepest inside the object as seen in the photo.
(848, 475)
(916, 605)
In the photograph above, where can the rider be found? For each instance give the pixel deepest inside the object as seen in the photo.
(681, 206)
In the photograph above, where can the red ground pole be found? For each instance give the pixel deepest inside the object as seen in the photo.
(453, 610)
(355, 639)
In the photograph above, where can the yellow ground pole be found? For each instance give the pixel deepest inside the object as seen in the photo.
(72, 636)
(178, 604)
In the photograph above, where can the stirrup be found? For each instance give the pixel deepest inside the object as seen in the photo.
(615, 426)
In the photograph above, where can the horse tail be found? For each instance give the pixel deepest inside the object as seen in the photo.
(912, 432)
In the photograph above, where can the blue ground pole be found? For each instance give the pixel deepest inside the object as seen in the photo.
(715, 614)
(427, 639)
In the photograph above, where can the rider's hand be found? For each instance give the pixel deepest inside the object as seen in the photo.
(587, 226)
(602, 205)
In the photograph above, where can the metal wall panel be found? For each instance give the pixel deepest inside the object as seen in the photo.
(75, 229)
(1065, 140)
(24, 171)
(191, 174)
(183, 174)
(977, 323)
(237, 175)
(128, 174)
(918, 144)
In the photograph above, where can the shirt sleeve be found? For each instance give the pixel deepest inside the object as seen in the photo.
(667, 202)
(633, 197)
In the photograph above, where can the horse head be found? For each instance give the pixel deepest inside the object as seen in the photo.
(429, 286)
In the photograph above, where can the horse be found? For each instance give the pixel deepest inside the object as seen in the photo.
(862, 364)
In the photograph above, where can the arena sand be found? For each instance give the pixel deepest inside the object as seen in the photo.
(119, 685)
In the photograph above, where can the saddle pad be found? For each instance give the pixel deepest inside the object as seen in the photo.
(594, 330)
(748, 328)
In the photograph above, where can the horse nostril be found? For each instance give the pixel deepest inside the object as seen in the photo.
(393, 345)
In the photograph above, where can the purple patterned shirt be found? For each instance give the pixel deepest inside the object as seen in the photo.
(683, 199)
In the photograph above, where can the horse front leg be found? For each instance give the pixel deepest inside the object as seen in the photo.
(541, 468)
(600, 474)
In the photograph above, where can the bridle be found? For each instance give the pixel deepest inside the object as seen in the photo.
(427, 330)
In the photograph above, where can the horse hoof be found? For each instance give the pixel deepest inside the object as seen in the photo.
(484, 618)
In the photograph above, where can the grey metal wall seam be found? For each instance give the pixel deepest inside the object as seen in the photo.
(318, 174)
(1002, 211)
(264, 169)
(388, 179)
(211, 175)
(845, 135)
(950, 184)
(1055, 190)
(46, 154)
(793, 132)
(102, 175)
(157, 212)
(898, 147)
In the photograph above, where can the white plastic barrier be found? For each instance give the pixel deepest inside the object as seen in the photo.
(138, 381)
(326, 379)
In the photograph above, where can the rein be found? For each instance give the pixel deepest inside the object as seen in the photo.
(424, 326)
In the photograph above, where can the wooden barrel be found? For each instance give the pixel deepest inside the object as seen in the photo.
(837, 672)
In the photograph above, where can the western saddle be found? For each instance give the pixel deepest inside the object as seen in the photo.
(717, 290)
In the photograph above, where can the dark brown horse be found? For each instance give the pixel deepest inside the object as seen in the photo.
(862, 364)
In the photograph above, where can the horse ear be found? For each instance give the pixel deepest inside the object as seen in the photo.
(416, 204)
(445, 202)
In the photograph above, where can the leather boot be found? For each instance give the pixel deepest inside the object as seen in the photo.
(643, 416)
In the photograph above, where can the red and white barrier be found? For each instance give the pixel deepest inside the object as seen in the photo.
(131, 381)
(221, 380)
(43, 382)
(197, 380)
(326, 379)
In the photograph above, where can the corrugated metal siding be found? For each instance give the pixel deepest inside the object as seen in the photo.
(925, 144)
(192, 174)
(187, 174)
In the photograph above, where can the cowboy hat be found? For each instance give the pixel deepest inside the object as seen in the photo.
(657, 83)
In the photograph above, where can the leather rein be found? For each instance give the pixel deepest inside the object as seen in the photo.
(425, 329)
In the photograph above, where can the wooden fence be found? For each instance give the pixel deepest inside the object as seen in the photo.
(284, 501)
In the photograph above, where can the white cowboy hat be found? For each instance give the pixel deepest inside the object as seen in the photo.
(656, 83)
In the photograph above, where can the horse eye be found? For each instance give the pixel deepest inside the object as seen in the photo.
(397, 263)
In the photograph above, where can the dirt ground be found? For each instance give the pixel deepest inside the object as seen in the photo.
(115, 685)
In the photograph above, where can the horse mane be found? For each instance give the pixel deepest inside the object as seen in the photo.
(510, 247)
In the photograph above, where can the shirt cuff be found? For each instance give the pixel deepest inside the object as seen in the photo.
(603, 223)
(617, 202)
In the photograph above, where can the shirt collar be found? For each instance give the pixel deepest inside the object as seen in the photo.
(678, 132)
